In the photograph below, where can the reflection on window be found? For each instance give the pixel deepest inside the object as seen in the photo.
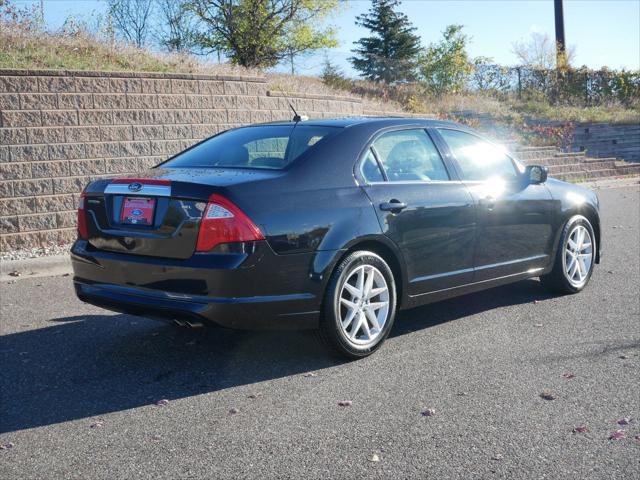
(408, 155)
(478, 160)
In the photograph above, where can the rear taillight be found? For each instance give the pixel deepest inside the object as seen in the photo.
(223, 222)
(83, 232)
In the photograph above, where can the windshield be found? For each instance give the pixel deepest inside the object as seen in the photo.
(269, 147)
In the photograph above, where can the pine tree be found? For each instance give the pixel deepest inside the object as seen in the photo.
(390, 54)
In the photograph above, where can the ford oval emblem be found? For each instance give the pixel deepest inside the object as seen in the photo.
(135, 187)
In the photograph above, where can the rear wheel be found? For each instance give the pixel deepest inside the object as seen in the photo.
(574, 259)
(359, 305)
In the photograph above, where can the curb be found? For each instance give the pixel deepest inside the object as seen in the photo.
(35, 267)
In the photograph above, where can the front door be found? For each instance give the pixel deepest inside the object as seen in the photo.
(514, 233)
(421, 208)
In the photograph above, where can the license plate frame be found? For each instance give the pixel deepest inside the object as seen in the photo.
(138, 211)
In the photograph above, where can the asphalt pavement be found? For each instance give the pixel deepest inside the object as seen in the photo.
(85, 393)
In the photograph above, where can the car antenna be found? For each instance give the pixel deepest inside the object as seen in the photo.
(297, 118)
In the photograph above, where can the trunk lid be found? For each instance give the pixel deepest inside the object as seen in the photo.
(157, 213)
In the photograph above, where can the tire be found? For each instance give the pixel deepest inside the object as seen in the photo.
(568, 277)
(352, 302)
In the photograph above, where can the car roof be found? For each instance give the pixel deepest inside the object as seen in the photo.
(380, 122)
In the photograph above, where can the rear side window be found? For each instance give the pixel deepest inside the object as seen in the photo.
(370, 169)
(479, 160)
(408, 155)
(266, 147)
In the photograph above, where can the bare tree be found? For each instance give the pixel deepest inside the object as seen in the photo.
(539, 52)
(132, 19)
(177, 30)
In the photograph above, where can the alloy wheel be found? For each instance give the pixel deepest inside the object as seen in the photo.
(578, 256)
(364, 305)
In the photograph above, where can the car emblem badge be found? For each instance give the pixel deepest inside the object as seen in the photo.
(135, 187)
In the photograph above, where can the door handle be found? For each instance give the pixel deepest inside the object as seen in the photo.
(393, 205)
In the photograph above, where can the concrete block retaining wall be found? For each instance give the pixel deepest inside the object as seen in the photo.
(60, 129)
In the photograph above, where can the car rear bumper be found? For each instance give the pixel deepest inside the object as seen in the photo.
(254, 290)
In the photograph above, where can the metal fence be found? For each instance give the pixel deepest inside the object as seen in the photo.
(571, 86)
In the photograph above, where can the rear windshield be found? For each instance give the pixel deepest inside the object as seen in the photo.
(269, 146)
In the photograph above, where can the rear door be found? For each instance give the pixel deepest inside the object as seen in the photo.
(514, 218)
(421, 207)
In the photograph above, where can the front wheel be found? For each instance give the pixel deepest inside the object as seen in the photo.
(574, 259)
(359, 305)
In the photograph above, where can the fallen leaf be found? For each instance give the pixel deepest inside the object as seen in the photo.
(623, 357)
(233, 410)
(580, 429)
(345, 403)
(310, 374)
(6, 445)
(568, 375)
(162, 403)
(15, 273)
(618, 435)
(624, 421)
(547, 395)
(65, 274)
(255, 395)
(97, 424)
(374, 458)
(428, 412)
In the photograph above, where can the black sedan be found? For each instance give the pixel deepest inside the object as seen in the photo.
(331, 225)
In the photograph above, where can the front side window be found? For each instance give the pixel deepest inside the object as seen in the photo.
(409, 155)
(479, 160)
(267, 147)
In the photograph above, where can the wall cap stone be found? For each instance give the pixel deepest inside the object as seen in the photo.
(313, 96)
(116, 74)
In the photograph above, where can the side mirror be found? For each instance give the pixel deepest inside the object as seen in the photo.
(535, 174)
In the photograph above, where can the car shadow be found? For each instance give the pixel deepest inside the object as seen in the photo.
(89, 365)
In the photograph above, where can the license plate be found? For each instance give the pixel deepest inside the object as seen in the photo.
(138, 211)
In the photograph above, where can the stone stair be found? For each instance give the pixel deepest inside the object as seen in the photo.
(575, 166)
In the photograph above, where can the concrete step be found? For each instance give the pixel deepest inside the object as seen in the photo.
(549, 161)
(581, 167)
(533, 154)
(629, 169)
(569, 154)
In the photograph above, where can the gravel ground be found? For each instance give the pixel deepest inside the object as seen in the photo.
(36, 252)
(79, 387)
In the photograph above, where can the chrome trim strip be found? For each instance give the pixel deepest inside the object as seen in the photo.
(513, 262)
(482, 267)
(529, 272)
(146, 190)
